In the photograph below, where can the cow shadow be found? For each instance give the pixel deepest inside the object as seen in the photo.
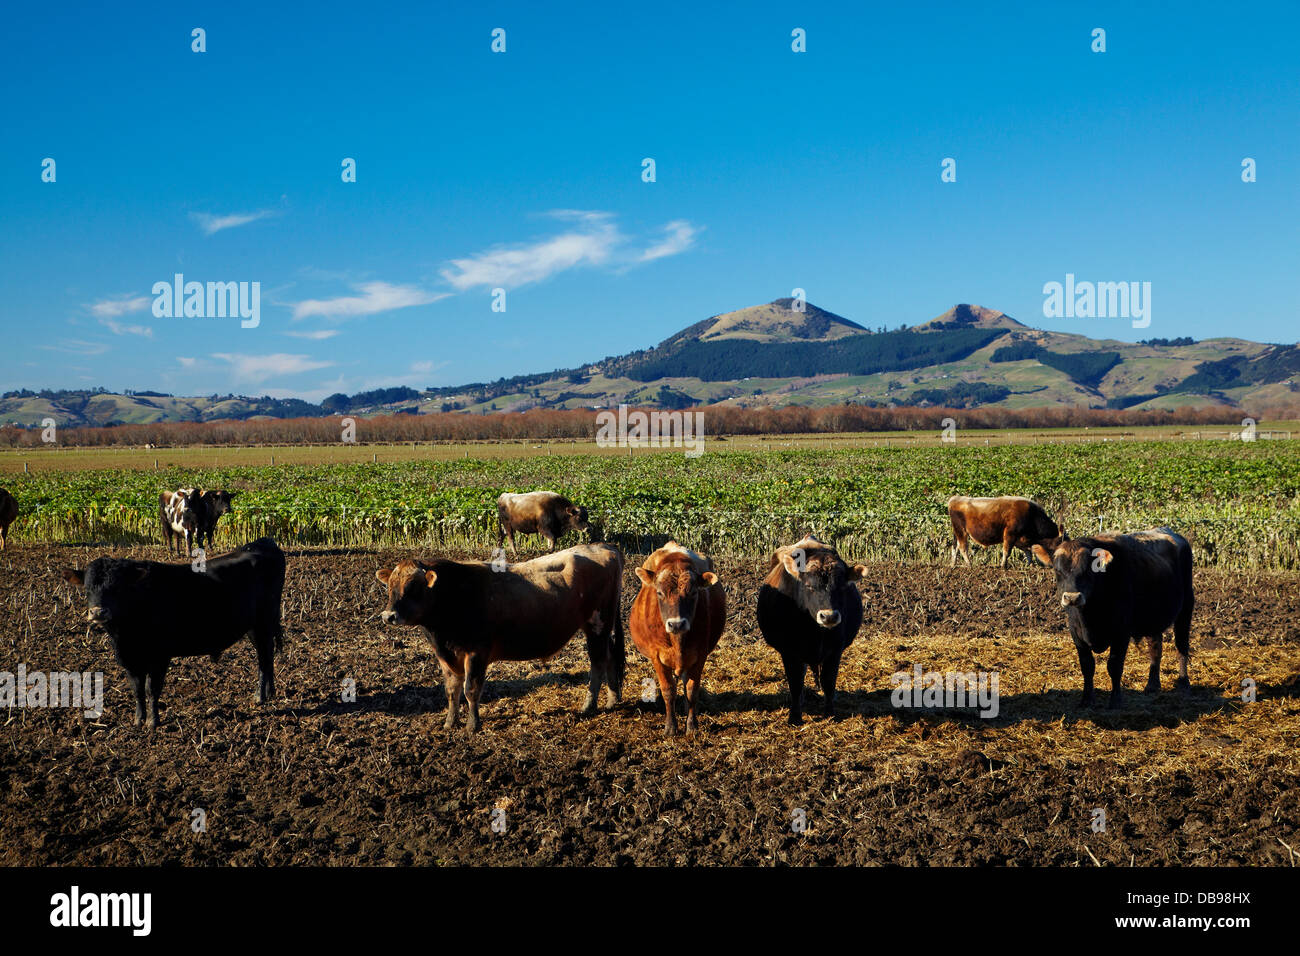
(1138, 710)
(412, 698)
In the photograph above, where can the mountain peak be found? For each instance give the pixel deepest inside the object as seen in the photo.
(775, 321)
(967, 316)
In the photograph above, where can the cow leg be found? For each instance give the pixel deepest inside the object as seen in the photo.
(1155, 650)
(454, 681)
(138, 685)
(1007, 538)
(475, 677)
(830, 673)
(668, 691)
(156, 679)
(1183, 642)
(1087, 664)
(1115, 667)
(265, 667)
(693, 699)
(795, 669)
(510, 533)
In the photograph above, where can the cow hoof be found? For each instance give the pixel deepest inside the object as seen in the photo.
(1085, 700)
(1184, 686)
(1152, 687)
(795, 720)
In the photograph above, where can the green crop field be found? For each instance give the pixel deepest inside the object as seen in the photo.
(1238, 503)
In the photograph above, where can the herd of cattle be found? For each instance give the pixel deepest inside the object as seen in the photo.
(1114, 588)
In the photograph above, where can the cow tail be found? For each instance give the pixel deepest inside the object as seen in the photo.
(617, 652)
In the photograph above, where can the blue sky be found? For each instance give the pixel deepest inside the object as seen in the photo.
(522, 170)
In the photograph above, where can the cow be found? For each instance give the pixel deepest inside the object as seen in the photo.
(538, 512)
(676, 622)
(1117, 588)
(155, 612)
(478, 612)
(190, 514)
(810, 610)
(1010, 521)
(178, 513)
(8, 512)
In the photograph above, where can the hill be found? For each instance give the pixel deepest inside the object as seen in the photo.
(779, 353)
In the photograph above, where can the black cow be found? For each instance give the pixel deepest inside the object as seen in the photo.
(154, 612)
(1118, 588)
(8, 512)
(810, 610)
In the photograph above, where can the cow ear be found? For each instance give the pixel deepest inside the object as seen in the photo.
(709, 578)
(1042, 554)
(1102, 556)
(788, 562)
(430, 577)
(645, 577)
(382, 574)
(74, 577)
(1060, 532)
(858, 573)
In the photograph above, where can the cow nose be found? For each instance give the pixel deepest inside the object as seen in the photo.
(1072, 598)
(388, 617)
(828, 618)
(676, 625)
(96, 615)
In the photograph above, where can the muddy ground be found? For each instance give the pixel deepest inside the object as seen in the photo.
(312, 780)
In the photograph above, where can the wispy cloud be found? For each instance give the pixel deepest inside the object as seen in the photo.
(258, 368)
(594, 240)
(119, 329)
(77, 347)
(210, 222)
(374, 297)
(315, 334)
(679, 235)
(512, 266)
(117, 306)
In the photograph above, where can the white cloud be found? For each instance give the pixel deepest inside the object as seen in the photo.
(258, 368)
(375, 297)
(594, 241)
(679, 235)
(512, 266)
(119, 306)
(211, 223)
(119, 329)
(185, 362)
(315, 335)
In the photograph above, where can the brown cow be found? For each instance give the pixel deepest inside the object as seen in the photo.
(538, 512)
(474, 613)
(676, 622)
(8, 512)
(1010, 521)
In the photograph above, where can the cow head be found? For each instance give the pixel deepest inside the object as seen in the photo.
(218, 503)
(109, 586)
(1080, 567)
(677, 584)
(814, 577)
(410, 586)
(576, 516)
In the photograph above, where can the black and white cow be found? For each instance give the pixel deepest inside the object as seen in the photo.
(190, 515)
